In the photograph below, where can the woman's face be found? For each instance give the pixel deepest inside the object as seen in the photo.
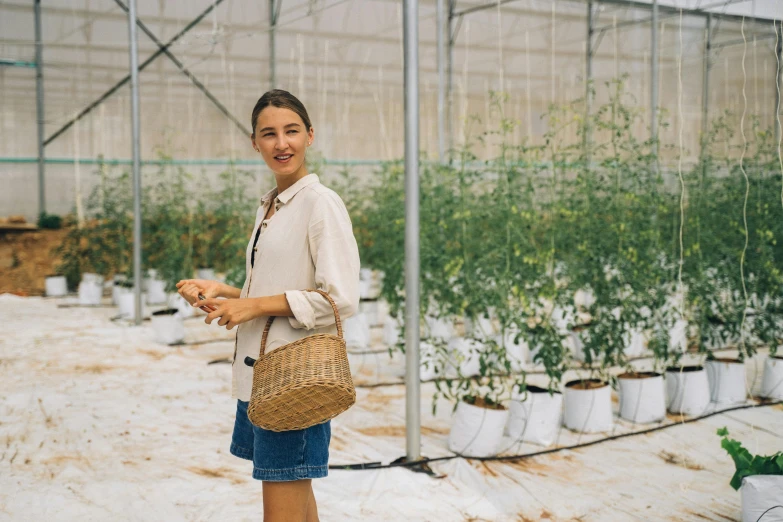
(282, 139)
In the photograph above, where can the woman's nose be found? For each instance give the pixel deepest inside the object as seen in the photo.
(281, 143)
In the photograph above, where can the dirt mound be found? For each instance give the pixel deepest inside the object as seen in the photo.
(26, 258)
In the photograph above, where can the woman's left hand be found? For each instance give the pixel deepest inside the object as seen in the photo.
(231, 312)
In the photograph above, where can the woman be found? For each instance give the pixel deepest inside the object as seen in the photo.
(302, 239)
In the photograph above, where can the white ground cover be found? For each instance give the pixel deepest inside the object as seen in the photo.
(98, 422)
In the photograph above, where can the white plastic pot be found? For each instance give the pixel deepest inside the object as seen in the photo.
(369, 284)
(727, 381)
(642, 397)
(90, 292)
(517, 353)
(206, 273)
(156, 291)
(429, 363)
(440, 328)
(588, 410)
(635, 343)
(477, 432)
(573, 342)
(678, 336)
(116, 288)
(127, 304)
(480, 327)
(687, 390)
(180, 303)
(168, 326)
(56, 286)
(535, 417)
(465, 355)
(391, 331)
(356, 331)
(760, 496)
(772, 383)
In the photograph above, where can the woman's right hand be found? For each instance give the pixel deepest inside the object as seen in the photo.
(190, 288)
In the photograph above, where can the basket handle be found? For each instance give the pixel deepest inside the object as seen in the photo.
(336, 321)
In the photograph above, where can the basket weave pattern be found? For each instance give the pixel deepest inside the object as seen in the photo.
(302, 383)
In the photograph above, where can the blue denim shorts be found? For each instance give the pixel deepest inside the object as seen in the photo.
(281, 456)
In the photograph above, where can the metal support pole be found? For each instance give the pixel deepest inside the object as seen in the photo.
(654, 75)
(39, 107)
(134, 74)
(441, 35)
(412, 380)
(778, 67)
(450, 79)
(272, 50)
(588, 81)
(705, 84)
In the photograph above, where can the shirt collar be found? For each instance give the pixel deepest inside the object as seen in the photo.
(285, 196)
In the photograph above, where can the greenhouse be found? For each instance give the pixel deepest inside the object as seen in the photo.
(547, 237)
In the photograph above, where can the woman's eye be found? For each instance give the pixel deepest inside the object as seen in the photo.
(269, 134)
(292, 131)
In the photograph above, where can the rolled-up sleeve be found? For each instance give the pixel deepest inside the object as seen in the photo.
(336, 259)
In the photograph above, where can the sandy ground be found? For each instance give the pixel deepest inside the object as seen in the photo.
(98, 422)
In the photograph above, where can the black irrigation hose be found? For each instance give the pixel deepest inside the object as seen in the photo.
(767, 511)
(498, 458)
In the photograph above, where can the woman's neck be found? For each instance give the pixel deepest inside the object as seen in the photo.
(284, 182)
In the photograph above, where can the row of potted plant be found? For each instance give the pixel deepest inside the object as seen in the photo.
(678, 260)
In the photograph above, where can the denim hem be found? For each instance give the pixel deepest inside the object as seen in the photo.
(290, 474)
(239, 451)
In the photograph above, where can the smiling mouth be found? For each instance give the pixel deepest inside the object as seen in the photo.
(283, 158)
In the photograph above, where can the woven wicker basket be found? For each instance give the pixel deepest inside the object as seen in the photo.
(303, 383)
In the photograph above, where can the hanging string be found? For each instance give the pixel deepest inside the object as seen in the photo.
(747, 186)
(679, 172)
(777, 109)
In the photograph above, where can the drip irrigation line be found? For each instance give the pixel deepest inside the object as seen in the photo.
(767, 511)
(504, 458)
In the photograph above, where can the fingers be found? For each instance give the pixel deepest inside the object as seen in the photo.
(211, 302)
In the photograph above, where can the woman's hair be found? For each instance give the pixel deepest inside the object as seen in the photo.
(282, 100)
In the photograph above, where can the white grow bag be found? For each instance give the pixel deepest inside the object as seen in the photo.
(642, 398)
(772, 383)
(760, 495)
(727, 381)
(687, 390)
(588, 411)
(168, 326)
(477, 432)
(56, 286)
(90, 290)
(465, 356)
(535, 417)
(356, 331)
(206, 273)
(156, 291)
(127, 304)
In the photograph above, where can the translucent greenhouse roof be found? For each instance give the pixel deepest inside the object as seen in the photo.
(343, 58)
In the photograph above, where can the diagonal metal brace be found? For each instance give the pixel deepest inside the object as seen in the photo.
(186, 72)
(126, 79)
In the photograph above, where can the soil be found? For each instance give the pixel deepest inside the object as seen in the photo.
(684, 369)
(481, 403)
(638, 375)
(538, 389)
(26, 258)
(587, 384)
(727, 360)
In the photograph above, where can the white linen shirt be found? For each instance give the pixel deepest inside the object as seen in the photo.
(307, 244)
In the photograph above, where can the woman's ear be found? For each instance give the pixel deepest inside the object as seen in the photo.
(310, 137)
(253, 143)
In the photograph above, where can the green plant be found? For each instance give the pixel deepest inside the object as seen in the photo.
(50, 221)
(747, 464)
